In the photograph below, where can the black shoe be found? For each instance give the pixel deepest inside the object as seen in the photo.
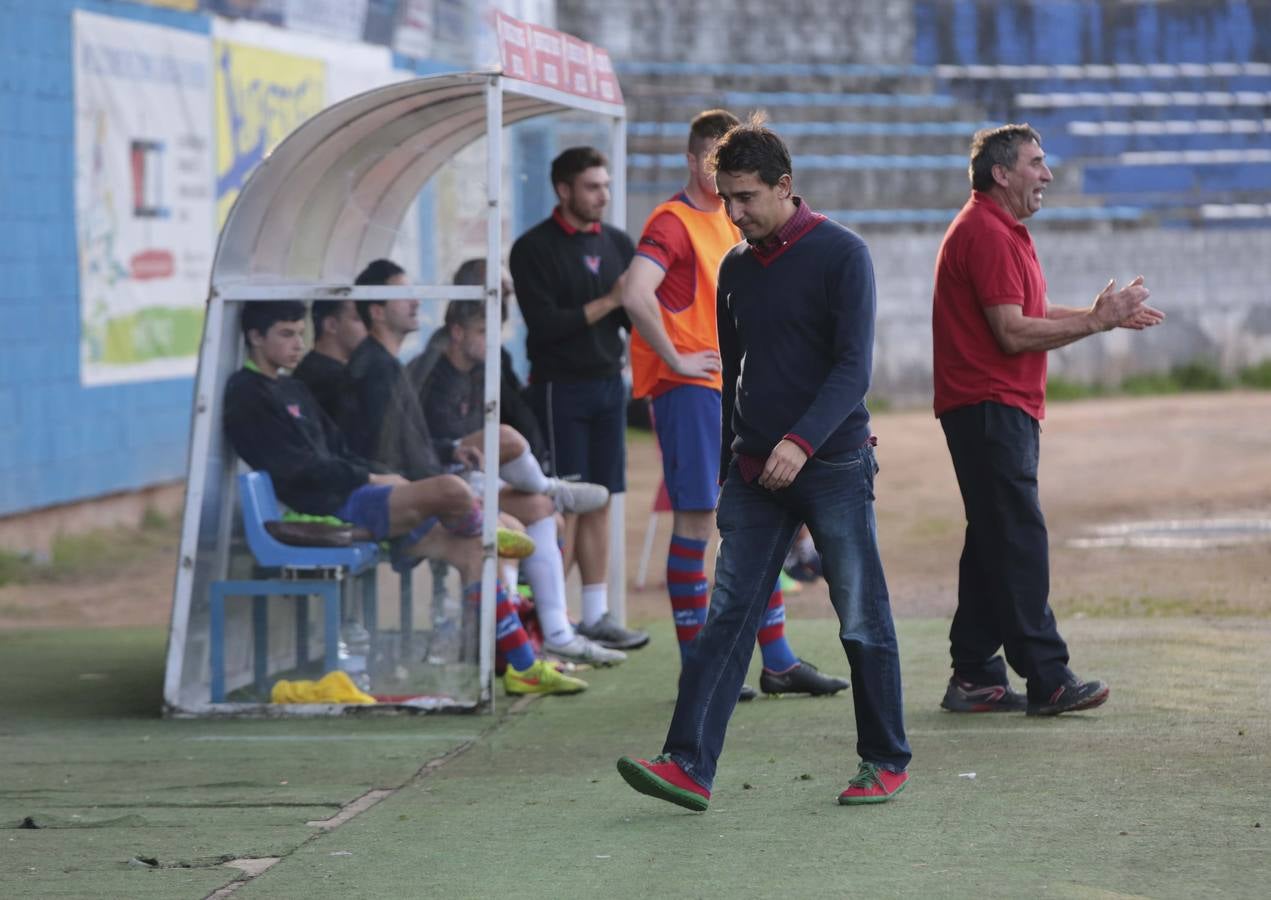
(746, 694)
(802, 679)
(1072, 696)
(965, 697)
(804, 570)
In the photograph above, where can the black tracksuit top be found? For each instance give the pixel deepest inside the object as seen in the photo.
(276, 426)
(555, 274)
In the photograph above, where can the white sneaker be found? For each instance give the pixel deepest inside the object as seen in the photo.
(577, 496)
(582, 650)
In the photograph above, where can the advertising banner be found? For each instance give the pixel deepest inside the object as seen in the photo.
(414, 33)
(271, 11)
(550, 58)
(261, 97)
(185, 5)
(340, 19)
(143, 197)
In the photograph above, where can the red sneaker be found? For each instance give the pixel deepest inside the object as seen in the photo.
(873, 785)
(663, 778)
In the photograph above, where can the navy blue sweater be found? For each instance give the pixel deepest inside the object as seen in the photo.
(797, 337)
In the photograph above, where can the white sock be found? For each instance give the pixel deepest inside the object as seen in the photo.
(525, 474)
(595, 602)
(545, 572)
(510, 574)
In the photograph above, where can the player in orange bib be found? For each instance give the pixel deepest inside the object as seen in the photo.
(669, 295)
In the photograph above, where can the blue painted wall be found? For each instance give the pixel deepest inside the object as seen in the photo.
(59, 441)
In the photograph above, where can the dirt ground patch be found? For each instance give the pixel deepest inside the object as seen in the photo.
(1103, 461)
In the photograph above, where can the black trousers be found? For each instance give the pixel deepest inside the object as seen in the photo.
(1004, 573)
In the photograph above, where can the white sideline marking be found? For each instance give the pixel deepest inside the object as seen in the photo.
(1177, 534)
(297, 738)
(1050, 730)
(251, 867)
(348, 811)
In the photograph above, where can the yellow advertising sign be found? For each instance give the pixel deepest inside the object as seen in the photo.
(261, 96)
(186, 5)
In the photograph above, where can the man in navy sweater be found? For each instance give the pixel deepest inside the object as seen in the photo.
(796, 329)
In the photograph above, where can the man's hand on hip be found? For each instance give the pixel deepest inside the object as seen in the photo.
(784, 464)
(701, 364)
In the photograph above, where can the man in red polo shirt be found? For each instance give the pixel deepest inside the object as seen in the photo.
(992, 326)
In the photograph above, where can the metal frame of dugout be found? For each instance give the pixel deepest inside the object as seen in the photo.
(327, 200)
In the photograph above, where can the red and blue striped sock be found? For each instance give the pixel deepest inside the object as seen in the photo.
(777, 655)
(510, 638)
(686, 583)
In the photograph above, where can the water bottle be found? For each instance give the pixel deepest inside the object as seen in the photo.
(354, 650)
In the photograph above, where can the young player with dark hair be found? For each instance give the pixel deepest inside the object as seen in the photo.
(337, 330)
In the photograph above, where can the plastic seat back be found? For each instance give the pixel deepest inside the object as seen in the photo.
(260, 505)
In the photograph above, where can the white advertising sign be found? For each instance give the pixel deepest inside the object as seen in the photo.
(143, 197)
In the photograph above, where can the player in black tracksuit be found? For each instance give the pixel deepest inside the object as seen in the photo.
(565, 271)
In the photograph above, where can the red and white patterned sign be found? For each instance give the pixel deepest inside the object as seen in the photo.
(555, 60)
(514, 47)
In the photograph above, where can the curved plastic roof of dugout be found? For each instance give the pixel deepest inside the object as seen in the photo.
(327, 200)
(334, 192)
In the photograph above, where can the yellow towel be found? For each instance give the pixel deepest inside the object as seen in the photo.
(334, 687)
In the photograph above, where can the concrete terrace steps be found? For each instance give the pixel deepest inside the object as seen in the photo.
(712, 78)
(885, 145)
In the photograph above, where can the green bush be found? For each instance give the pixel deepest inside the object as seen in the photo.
(877, 404)
(1149, 383)
(1257, 376)
(14, 568)
(1061, 389)
(1199, 376)
(153, 520)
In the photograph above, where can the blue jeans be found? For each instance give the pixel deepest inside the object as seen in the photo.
(836, 500)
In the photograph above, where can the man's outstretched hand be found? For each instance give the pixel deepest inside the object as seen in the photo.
(1125, 307)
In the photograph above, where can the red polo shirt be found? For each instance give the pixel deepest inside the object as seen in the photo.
(986, 259)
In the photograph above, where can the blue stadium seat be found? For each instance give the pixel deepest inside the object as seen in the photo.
(299, 572)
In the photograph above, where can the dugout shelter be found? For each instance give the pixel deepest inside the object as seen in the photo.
(327, 200)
